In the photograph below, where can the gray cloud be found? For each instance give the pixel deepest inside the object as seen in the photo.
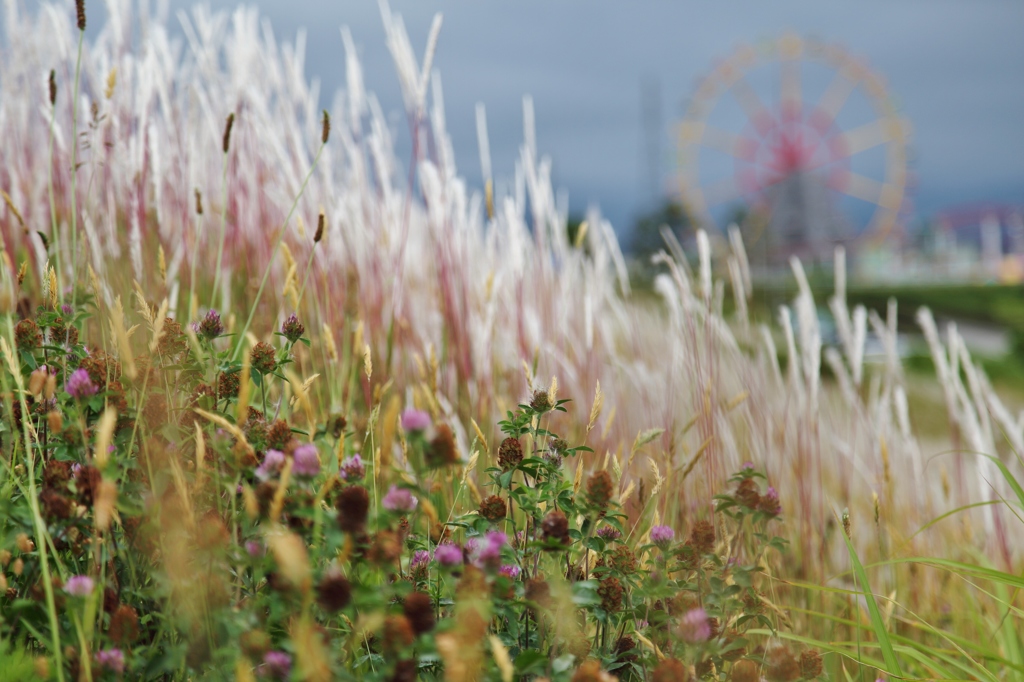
(956, 68)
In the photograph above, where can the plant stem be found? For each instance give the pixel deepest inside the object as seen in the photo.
(273, 255)
(223, 231)
(33, 500)
(74, 171)
(53, 204)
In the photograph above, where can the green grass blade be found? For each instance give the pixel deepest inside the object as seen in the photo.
(878, 625)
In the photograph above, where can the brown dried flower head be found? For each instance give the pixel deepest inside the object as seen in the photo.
(510, 453)
(441, 450)
(262, 358)
(540, 401)
(419, 609)
(600, 489)
(124, 625)
(810, 664)
(80, 14)
(745, 671)
(671, 670)
(610, 590)
(353, 504)
(703, 537)
(53, 87)
(493, 508)
(334, 592)
(27, 335)
(398, 634)
(748, 494)
(555, 527)
(781, 666)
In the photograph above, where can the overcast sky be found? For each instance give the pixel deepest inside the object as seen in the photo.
(956, 69)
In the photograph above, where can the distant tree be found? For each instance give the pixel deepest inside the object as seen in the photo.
(646, 238)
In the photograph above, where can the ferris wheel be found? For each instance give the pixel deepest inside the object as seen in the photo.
(799, 130)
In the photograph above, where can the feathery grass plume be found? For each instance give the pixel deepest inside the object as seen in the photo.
(12, 207)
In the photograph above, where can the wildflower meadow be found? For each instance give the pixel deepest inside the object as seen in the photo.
(280, 405)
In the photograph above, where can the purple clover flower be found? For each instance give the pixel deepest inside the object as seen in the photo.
(748, 465)
(448, 555)
(420, 558)
(306, 461)
(273, 461)
(111, 659)
(415, 420)
(276, 664)
(662, 536)
(510, 571)
(210, 327)
(608, 533)
(79, 586)
(353, 469)
(694, 626)
(400, 500)
(80, 385)
(254, 549)
(770, 502)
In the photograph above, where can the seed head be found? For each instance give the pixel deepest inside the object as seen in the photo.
(538, 592)
(353, 504)
(334, 592)
(540, 401)
(325, 130)
(53, 87)
(748, 494)
(610, 590)
(262, 358)
(228, 385)
(510, 453)
(703, 537)
(227, 132)
(441, 450)
(398, 634)
(419, 609)
(555, 527)
(493, 508)
(80, 12)
(810, 664)
(671, 670)
(124, 625)
(745, 671)
(782, 666)
(27, 335)
(319, 228)
(599, 489)
(199, 202)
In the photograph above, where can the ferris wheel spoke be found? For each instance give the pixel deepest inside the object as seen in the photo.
(862, 138)
(792, 97)
(832, 101)
(867, 189)
(752, 106)
(737, 146)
